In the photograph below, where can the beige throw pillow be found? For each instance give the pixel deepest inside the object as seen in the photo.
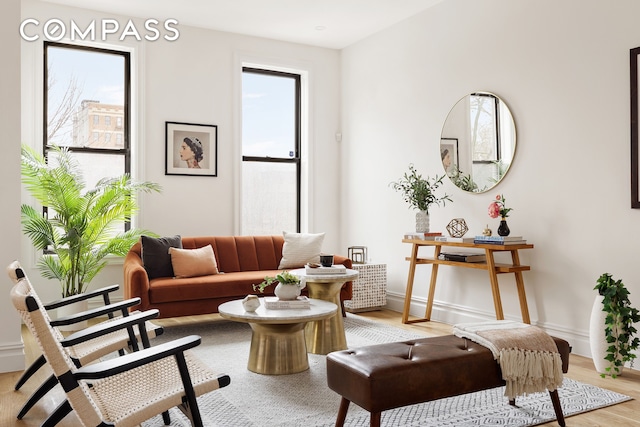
(193, 262)
(300, 248)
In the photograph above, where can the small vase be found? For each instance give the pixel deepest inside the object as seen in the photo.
(503, 229)
(287, 292)
(422, 222)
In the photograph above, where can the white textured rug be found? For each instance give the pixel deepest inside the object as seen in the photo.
(304, 399)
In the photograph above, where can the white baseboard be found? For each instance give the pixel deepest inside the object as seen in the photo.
(12, 357)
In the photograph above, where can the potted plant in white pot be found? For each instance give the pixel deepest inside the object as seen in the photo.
(288, 286)
(612, 331)
(419, 192)
(79, 230)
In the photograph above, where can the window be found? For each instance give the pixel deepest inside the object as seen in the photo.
(107, 121)
(270, 193)
(81, 84)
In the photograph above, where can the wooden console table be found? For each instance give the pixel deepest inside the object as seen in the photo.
(490, 265)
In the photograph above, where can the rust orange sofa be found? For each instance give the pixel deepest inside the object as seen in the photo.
(242, 261)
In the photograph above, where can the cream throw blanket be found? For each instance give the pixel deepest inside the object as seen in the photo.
(527, 355)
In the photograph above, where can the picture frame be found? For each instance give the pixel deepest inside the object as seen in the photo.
(191, 149)
(635, 111)
(450, 145)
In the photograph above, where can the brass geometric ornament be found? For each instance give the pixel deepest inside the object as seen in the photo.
(457, 227)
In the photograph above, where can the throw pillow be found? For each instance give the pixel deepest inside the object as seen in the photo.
(193, 262)
(300, 248)
(155, 255)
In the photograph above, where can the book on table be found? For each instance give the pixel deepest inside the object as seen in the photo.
(275, 303)
(422, 236)
(454, 239)
(462, 256)
(500, 240)
(334, 269)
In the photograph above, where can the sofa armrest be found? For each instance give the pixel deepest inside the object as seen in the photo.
(136, 280)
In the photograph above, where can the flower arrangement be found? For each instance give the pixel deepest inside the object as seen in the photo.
(497, 208)
(418, 191)
(284, 278)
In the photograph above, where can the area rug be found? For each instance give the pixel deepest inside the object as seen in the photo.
(303, 399)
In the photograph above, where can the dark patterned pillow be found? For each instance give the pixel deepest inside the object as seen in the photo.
(155, 255)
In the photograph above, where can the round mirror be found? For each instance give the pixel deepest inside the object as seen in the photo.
(478, 142)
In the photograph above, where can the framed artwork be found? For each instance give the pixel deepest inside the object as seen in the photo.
(635, 153)
(449, 154)
(191, 149)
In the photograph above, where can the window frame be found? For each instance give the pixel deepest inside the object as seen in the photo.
(297, 157)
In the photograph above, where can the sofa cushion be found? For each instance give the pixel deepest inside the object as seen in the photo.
(155, 255)
(300, 248)
(193, 262)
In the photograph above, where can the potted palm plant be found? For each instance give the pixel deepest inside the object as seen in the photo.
(79, 229)
(420, 193)
(612, 331)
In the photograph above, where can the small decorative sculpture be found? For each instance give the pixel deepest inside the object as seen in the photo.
(487, 231)
(357, 254)
(457, 227)
(251, 303)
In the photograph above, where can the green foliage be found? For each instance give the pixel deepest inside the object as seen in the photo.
(619, 329)
(285, 278)
(420, 192)
(80, 227)
(463, 181)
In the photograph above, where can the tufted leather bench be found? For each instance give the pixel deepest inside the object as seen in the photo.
(387, 376)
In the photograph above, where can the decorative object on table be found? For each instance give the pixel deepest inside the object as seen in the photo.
(457, 227)
(191, 149)
(275, 303)
(288, 286)
(326, 260)
(487, 231)
(251, 303)
(499, 208)
(357, 254)
(611, 331)
(420, 194)
(78, 230)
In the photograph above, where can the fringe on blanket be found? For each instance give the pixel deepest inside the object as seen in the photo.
(527, 355)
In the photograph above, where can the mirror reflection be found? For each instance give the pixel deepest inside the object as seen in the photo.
(478, 142)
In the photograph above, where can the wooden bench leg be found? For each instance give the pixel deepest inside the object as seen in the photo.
(555, 399)
(342, 412)
(375, 419)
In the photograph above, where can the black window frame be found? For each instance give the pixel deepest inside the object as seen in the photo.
(297, 157)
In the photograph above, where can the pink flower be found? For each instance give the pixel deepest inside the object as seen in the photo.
(494, 210)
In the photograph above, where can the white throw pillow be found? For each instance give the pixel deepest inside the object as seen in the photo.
(300, 248)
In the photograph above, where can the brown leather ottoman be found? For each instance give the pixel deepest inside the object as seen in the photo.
(387, 376)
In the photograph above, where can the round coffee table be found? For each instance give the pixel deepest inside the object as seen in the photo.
(327, 335)
(277, 340)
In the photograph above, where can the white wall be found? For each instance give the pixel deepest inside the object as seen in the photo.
(563, 69)
(11, 348)
(196, 79)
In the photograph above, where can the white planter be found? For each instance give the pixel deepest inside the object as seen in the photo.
(422, 222)
(597, 338)
(71, 309)
(287, 292)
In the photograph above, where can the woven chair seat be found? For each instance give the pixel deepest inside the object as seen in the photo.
(132, 397)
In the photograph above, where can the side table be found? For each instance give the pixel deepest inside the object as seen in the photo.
(369, 289)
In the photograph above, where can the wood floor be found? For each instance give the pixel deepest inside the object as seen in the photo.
(580, 369)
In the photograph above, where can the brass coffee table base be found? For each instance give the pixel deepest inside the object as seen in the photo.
(327, 335)
(278, 349)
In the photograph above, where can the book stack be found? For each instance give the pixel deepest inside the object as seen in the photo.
(274, 303)
(422, 236)
(334, 269)
(499, 240)
(462, 256)
(454, 239)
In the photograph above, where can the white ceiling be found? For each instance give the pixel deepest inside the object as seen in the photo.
(327, 23)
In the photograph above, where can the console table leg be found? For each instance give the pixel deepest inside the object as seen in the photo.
(432, 285)
(495, 290)
(522, 296)
(409, 291)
